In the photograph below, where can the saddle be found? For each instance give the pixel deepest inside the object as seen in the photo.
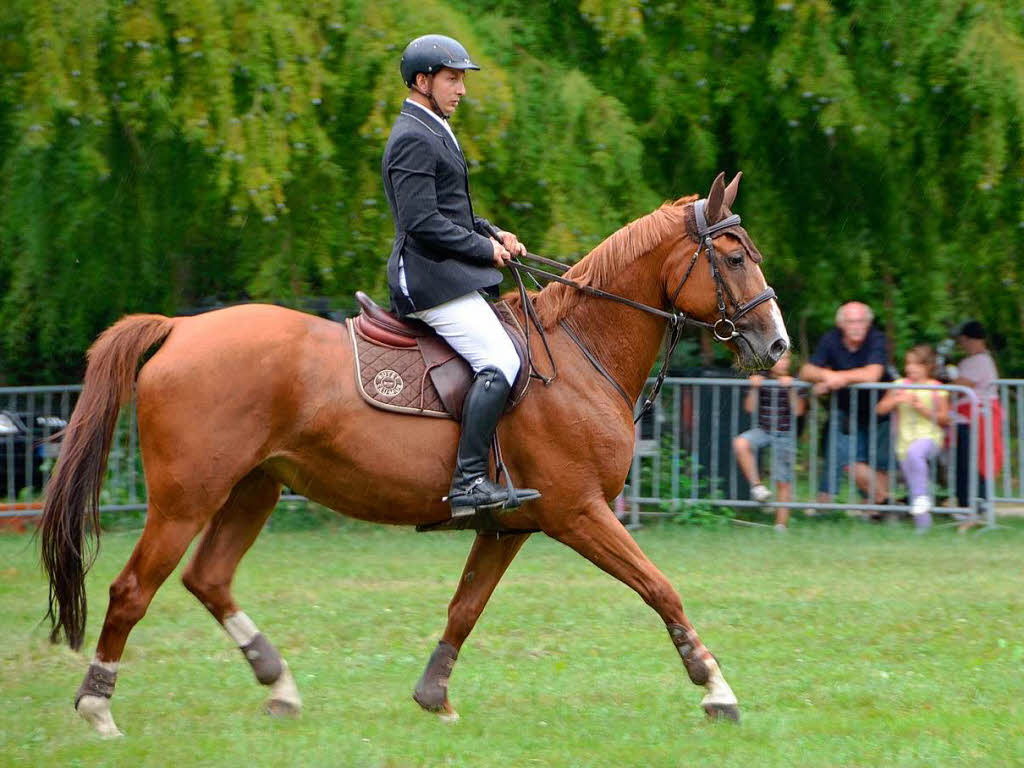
(404, 366)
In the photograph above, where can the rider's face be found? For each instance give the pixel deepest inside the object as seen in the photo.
(449, 86)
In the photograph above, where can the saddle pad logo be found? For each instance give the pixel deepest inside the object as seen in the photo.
(388, 383)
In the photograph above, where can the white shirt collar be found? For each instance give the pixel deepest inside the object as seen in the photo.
(434, 115)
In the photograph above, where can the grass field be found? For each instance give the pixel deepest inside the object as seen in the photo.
(847, 644)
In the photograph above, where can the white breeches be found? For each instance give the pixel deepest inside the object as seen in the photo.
(472, 329)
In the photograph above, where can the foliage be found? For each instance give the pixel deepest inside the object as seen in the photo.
(700, 514)
(883, 142)
(159, 155)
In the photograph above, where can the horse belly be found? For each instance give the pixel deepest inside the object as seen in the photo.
(376, 466)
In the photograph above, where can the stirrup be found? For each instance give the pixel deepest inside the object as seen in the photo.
(493, 498)
(517, 496)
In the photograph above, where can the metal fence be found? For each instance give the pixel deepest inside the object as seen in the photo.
(684, 451)
(1010, 487)
(30, 420)
(29, 417)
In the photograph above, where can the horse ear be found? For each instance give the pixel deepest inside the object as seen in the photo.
(713, 211)
(732, 189)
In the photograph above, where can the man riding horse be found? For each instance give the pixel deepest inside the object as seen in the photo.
(278, 405)
(443, 256)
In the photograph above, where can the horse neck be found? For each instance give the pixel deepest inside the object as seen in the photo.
(624, 339)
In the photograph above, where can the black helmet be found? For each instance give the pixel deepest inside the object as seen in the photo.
(429, 53)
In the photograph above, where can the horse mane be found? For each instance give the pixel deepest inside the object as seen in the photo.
(614, 254)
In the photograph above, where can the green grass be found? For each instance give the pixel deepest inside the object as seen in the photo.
(847, 644)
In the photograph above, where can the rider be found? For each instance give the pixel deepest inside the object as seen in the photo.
(443, 256)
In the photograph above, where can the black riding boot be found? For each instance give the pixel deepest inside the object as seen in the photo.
(471, 488)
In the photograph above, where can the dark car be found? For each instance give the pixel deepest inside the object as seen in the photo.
(27, 451)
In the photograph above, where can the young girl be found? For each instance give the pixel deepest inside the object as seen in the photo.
(921, 414)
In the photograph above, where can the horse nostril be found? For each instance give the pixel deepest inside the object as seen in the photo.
(778, 349)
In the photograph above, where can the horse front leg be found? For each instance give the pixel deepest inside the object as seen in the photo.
(600, 537)
(487, 562)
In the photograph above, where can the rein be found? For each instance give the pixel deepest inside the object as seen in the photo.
(724, 329)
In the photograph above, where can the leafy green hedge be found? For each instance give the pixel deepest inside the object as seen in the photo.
(156, 155)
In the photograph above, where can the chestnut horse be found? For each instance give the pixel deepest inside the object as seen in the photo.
(234, 404)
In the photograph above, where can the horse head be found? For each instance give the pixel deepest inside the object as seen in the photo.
(713, 275)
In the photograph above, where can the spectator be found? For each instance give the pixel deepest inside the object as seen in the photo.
(853, 352)
(920, 416)
(776, 409)
(977, 371)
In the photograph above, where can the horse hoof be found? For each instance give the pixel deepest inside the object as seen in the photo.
(445, 711)
(96, 711)
(729, 712)
(451, 716)
(282, 708)
(283, 698)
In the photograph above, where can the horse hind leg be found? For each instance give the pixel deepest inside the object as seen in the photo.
(487, 562)
(158, 551)
(599, 536)
(208, 576)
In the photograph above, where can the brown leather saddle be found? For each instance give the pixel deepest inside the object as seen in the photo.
(404, 366)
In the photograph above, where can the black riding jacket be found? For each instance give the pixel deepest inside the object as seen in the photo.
(445, 251)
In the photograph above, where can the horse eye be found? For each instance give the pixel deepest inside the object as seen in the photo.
(734, 259)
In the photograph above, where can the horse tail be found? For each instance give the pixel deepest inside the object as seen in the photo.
(73, 493)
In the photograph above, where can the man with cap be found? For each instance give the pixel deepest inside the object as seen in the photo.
(977, 371)
(444, 255)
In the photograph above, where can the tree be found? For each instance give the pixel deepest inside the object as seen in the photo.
(156, 155)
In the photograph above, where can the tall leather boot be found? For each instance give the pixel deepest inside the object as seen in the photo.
(471, 488)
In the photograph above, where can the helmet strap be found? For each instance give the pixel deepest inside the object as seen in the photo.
(430, 95)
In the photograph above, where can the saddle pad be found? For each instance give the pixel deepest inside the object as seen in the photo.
(394, 378)
(428, 379)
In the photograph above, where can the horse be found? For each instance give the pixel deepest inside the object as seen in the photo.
(237, 403)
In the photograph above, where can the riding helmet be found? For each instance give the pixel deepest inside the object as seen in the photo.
(429, 53)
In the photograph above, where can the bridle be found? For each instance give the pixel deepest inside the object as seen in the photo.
(706, 235)
(725, 328)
